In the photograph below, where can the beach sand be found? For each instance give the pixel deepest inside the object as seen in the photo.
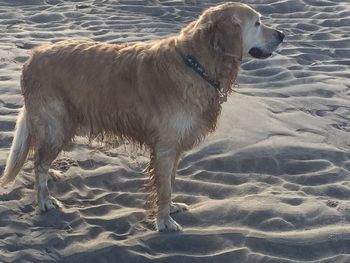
(270, 185)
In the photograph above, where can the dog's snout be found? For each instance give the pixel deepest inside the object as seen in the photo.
(280, 35)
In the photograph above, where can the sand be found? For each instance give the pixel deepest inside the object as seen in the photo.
(271, 185)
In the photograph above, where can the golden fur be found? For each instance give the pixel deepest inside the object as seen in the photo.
(142, 92)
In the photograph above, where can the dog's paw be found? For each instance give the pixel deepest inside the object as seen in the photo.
(167, 225)
(46, 204)
(178, 207)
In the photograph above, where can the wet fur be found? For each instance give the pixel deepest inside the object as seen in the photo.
(142, 92)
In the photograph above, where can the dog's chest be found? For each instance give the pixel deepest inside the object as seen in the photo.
(183, 123)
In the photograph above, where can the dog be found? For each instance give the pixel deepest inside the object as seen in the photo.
(164, 94)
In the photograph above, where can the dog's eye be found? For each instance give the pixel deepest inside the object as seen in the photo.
(257, 23)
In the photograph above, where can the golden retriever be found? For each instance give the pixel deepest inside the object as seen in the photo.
(164, 94)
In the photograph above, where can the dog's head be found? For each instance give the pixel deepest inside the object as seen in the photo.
(235, 29)
(258, 40)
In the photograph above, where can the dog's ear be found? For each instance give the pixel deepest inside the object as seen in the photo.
(227, 37)
(220, 31)
(199, 30)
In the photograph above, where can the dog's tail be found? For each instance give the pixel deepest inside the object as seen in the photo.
(19, 149)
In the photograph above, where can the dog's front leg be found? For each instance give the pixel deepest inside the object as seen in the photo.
(162, 165)
(176, 207)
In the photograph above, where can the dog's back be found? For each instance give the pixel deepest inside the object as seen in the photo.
(99, 87)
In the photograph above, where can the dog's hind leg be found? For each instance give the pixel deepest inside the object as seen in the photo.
(44, 155)
(51, 132)
(41, 168)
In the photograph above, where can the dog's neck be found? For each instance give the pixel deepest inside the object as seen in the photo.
(195, 65)
(219, 66)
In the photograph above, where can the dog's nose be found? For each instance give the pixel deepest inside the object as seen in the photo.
(280, 36)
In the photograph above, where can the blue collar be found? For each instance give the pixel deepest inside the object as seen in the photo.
(193, 63)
